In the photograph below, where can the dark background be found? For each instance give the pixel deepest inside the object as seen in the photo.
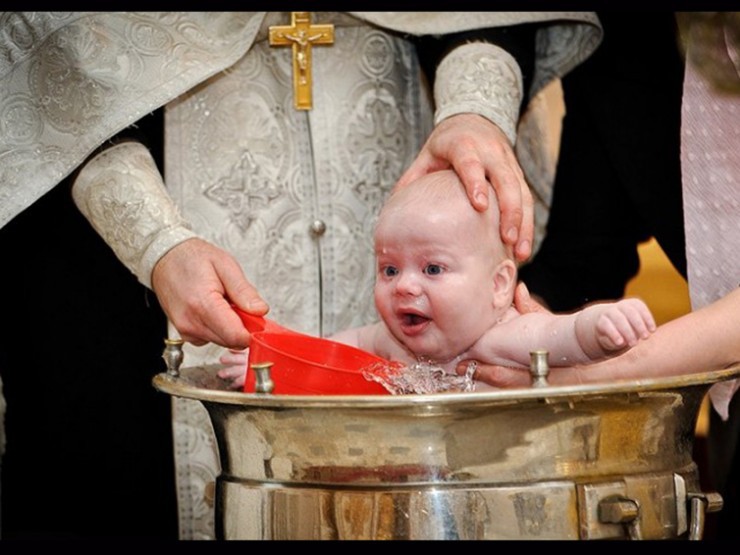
(89, 439)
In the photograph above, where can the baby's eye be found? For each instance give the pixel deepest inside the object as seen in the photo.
(433, 269)
(389, 271)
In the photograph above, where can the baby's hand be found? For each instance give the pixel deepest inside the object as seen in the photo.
(623, 324)
(235, 368)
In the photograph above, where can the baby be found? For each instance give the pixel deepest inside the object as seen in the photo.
(445, 286)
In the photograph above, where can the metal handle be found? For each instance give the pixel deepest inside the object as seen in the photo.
(539, 367)
(173, 356)
(701, 504)
(263, 381)
(617, 509)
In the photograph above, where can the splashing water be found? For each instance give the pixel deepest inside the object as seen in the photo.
(420, 377)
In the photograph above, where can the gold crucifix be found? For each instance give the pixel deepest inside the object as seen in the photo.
(302, 36)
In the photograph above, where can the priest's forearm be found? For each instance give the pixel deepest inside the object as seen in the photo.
(480, 78)
(121, 193)
(491, 79)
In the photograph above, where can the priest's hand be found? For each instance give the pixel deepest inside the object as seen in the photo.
(480, 154)
(195, 283)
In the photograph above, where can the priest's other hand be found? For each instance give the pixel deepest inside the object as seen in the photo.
(195, 283)
(481, 154)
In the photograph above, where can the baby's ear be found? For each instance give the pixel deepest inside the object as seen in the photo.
(504, 283)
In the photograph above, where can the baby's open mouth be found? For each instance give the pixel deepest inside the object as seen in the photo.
(410, 319)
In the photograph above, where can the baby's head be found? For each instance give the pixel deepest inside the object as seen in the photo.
(441, 196)
(444, 275)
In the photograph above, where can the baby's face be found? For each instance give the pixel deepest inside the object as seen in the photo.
(434, 283)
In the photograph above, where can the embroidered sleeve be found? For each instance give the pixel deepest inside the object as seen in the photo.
(121, 193)
(481, 78)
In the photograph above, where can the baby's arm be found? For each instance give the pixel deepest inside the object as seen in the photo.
(234, 368)
(604, 328)
(592, 333)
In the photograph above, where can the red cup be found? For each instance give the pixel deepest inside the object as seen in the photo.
(307, 365)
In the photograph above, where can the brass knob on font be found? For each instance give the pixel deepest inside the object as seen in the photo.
(173, 355)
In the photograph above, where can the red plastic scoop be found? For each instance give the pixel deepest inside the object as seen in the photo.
(308, 365)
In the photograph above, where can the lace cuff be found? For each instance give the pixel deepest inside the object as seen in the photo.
(121, 193)
(481, 78)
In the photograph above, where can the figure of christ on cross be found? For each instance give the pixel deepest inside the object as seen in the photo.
(301, 36)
